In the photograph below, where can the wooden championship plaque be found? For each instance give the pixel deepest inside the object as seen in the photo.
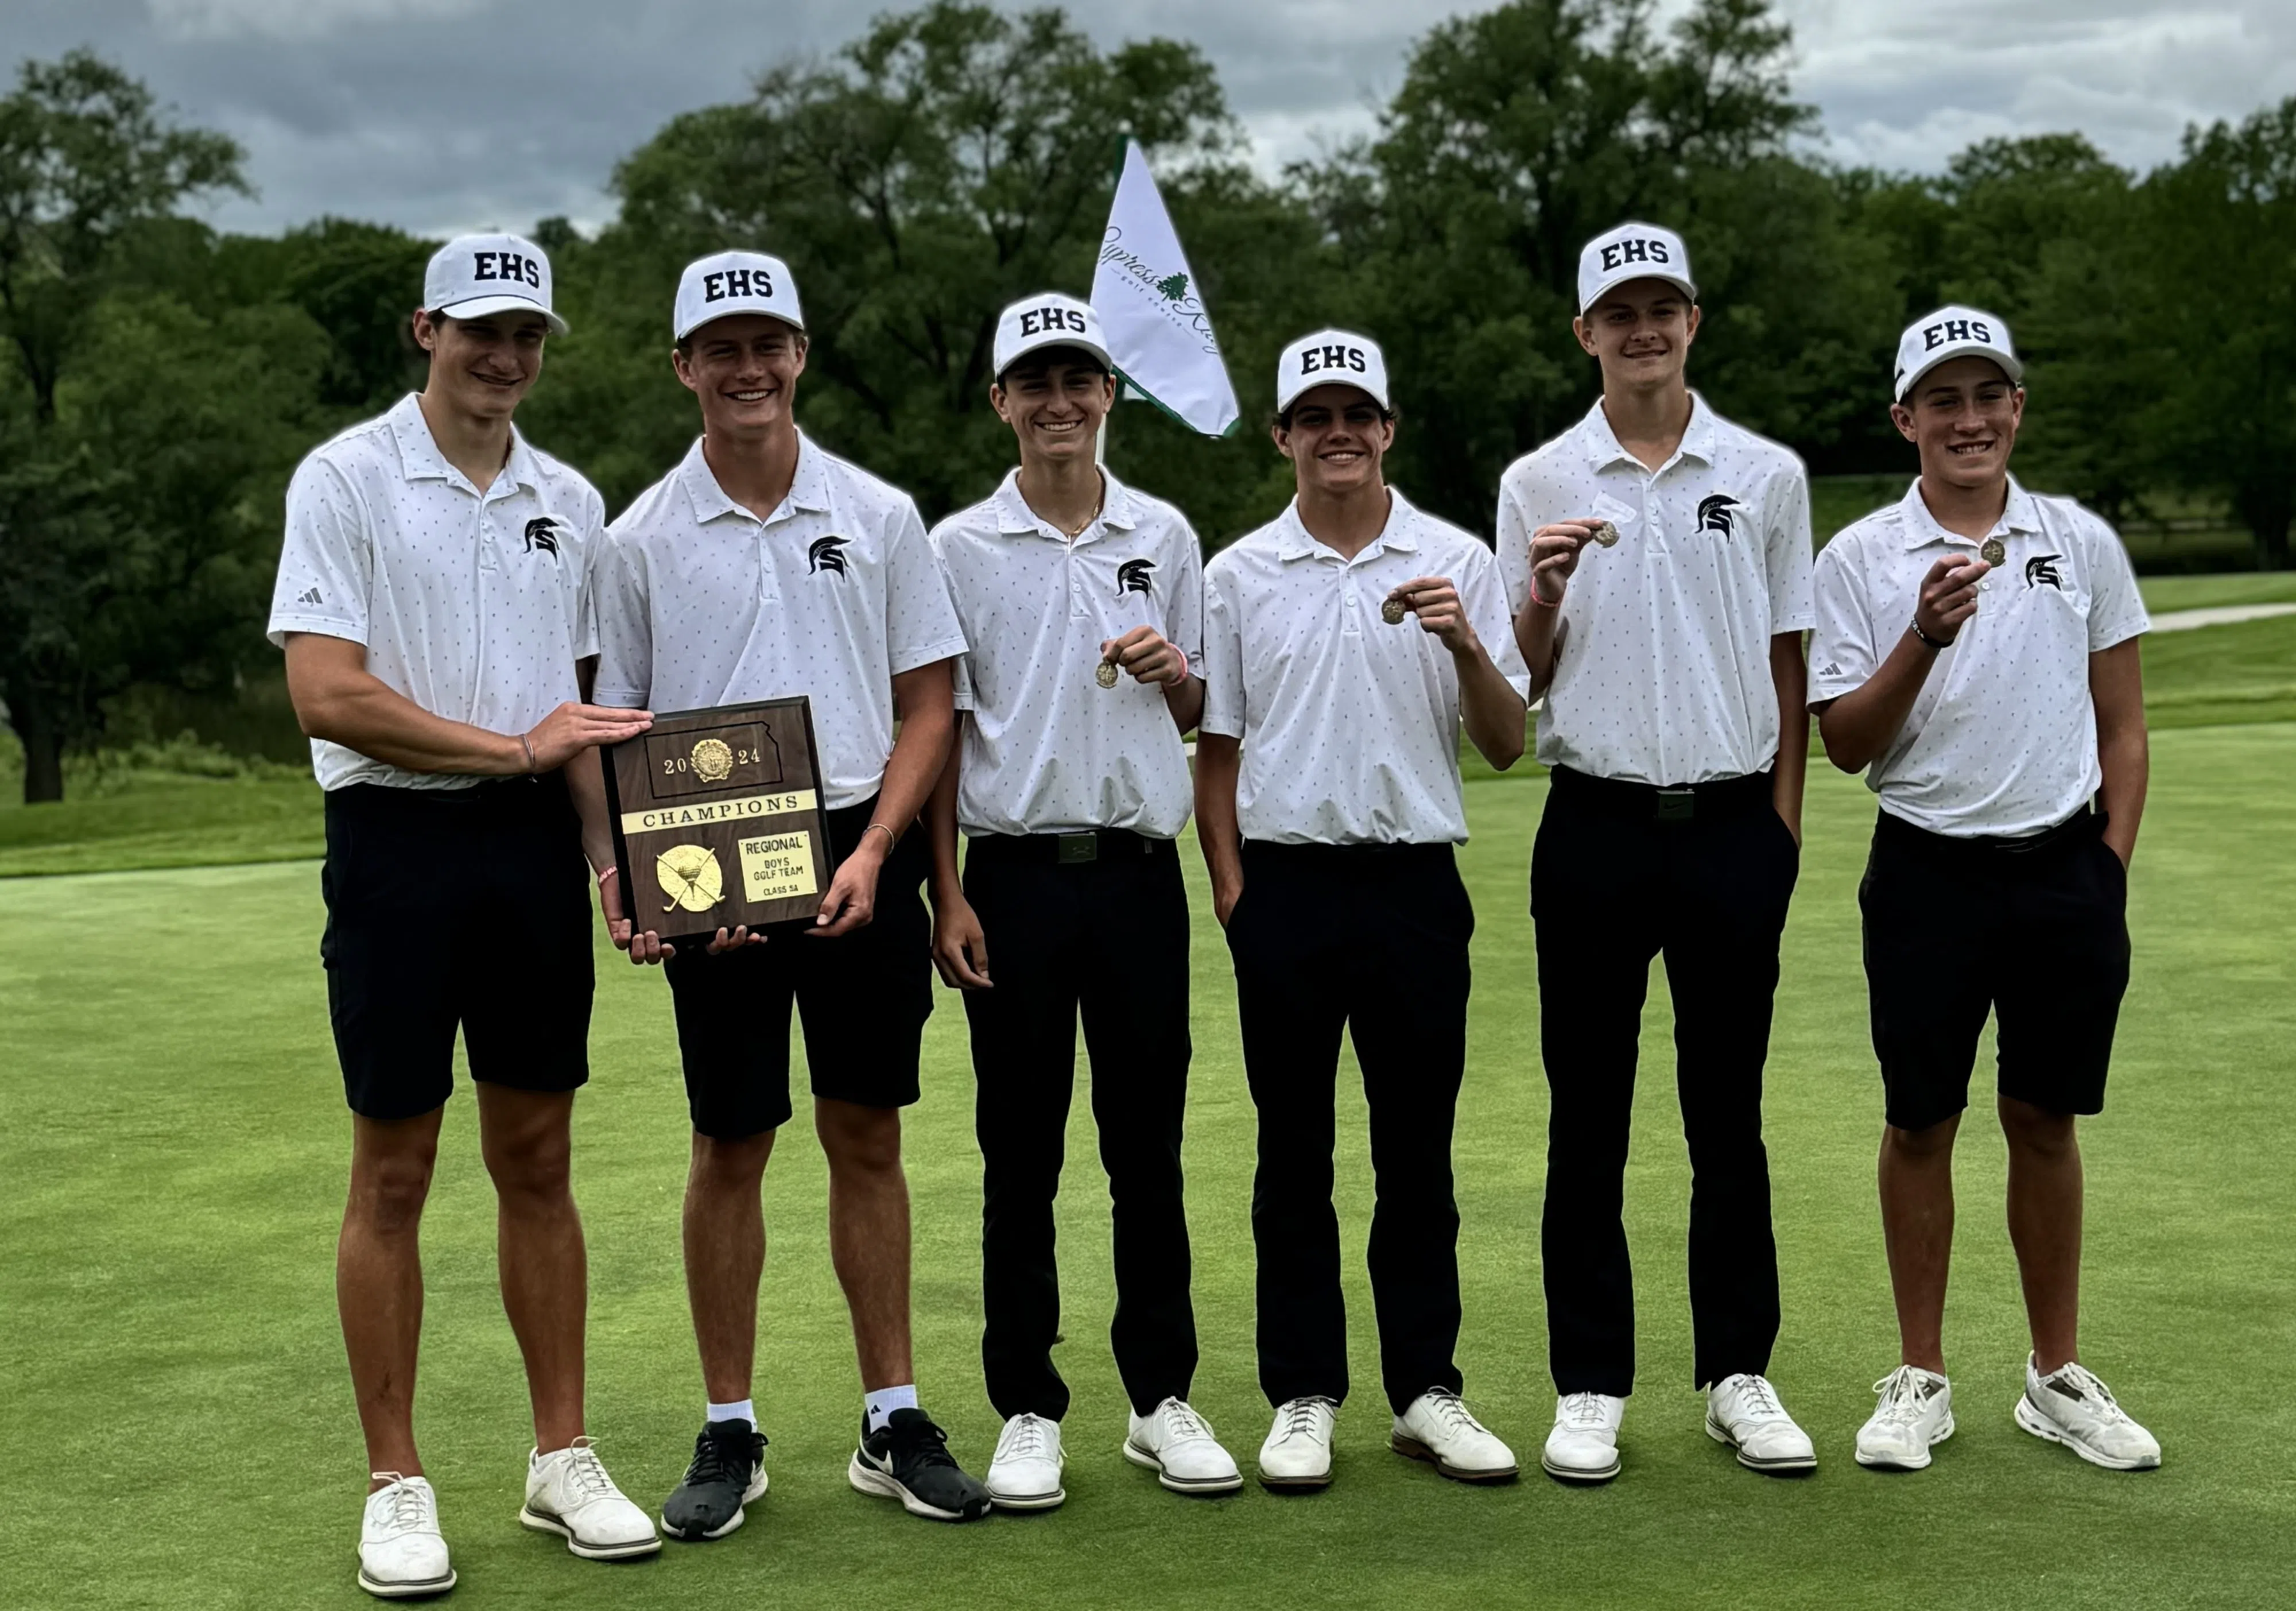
(718, 821)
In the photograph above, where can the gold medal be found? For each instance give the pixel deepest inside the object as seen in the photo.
(1105, 674)
(1994, 551)
(1393, 612)
(1606, 534)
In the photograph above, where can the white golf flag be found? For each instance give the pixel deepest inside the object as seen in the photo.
(1158, 331)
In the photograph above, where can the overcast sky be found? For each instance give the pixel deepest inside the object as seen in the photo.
(446, 114)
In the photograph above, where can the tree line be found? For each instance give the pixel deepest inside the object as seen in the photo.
(162, 378)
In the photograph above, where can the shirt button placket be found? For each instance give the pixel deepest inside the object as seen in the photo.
(488, 559)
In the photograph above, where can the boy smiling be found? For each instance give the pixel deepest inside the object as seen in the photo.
(1082, 605)
(1977, 657)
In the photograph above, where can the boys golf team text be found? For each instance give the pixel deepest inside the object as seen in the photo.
(463, 629)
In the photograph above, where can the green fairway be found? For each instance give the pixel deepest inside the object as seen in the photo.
(2241, 672)
(2204, 592)
(179, 1430)
(158, 820)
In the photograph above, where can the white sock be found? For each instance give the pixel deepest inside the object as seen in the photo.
(881, 1404)
(741, 1411)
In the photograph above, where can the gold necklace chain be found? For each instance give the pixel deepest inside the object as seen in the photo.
(1099, 504)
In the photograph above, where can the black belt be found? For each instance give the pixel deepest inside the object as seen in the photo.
(1402, 851)
(1066, 849)
(2083, 824)
(1678, 802)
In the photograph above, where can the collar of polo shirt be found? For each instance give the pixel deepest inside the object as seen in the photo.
(1921, 528)
(419, 460)
(808, 490)
(1014, 518)
(1295, 541)
(1602, 448)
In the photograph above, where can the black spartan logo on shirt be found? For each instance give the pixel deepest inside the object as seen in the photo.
(2041, 568)
(1714, 513)
(1132, 576)
(542, 533)
(825, 555)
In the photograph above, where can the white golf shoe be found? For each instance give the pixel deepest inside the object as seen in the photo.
(1438, 1428)
(1297, 1452)
(401, 1553)
(1584, 1446)
(1743, 1412)
(2070, 1406)
(568, 1493)
(1916, 1415)
(1176, 1443)
(1024, 1474)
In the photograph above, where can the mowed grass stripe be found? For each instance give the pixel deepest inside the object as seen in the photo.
(179, 1429)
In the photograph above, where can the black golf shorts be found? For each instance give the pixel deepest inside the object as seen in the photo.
(2037, 935)
(863, 998)
(447, 908)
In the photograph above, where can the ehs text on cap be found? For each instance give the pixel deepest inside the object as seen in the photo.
(1330, 358)
(471, 276)
(731, 283)
(1048, 320)
(1953, 333)
(1633, 252)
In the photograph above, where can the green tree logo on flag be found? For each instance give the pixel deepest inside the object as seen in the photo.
(1173, 288)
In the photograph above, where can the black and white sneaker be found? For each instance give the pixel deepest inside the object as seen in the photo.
(728, 1471)
(908, 1459)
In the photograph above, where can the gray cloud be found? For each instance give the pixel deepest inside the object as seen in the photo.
(442, 114)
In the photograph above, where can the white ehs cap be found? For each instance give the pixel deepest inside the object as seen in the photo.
(1633, 252)
(1049, 320)
(731, 283)
(1330, 358)
(471, 276)
(1953, 333)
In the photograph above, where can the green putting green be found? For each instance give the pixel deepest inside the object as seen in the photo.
(178, 1427)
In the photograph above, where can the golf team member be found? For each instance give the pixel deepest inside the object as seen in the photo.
(1977, 655)
(1082, 605)
(1329, 805)
(1670, 659)
(433, 601)
(763, 568)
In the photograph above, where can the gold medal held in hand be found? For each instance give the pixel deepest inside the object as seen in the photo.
(1393, 612)
(1605, 533)
(1105, 674)
(1993, 551)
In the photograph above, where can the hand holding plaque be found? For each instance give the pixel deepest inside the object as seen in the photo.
(718, 822)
